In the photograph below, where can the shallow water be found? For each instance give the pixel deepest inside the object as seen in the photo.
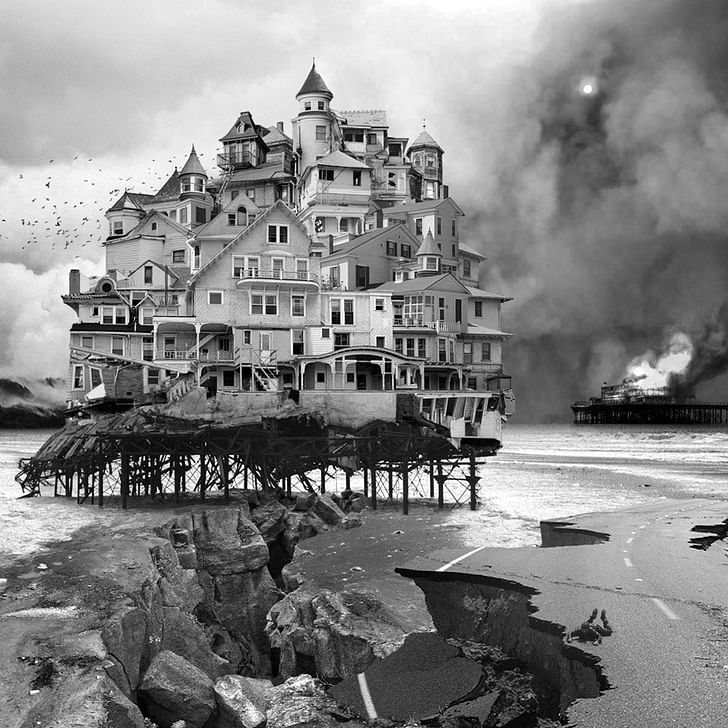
(543, 471)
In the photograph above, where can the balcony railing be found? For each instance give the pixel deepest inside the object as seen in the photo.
(441, 327)
(191, 355)
(235, 159)
(339, 198)
(277, 274)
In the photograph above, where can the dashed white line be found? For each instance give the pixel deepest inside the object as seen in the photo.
(366, 695)
(627, 562)
(665, 609)
(445, 567)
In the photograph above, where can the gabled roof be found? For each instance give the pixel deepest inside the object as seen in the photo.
(314, 84)
(156, 265)
(429, 246)
(278, 206)
(446, 281)
(364, 117)
(480, 293)
(340, 159)
(421, 206)
(241, 200)
(425, 140)
(275, 136)
(484, 331)
(263, 172)
(136, 231)
(131, 200)
(470, 251)
(169, 190)
(250, 129)
(193, 165)
(371, 235)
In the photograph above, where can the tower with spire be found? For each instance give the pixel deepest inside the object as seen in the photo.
(192, 178)
(315, 132)
(426, 157)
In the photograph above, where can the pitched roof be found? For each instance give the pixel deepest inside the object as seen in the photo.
(193, 165)
(250, 129)
(275, 136)
(471, 251)
(314, 84)
(133, 200)
(484, 331)
(412, 285)
(262, 172)
(429, 246)
(425, 140)
(340, 159)
(169, 190)
(420, 206)
(480, 293)
(373, 235)
(364, 117)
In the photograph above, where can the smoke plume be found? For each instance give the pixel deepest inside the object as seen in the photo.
(608, 218)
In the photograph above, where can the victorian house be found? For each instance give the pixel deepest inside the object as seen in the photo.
(330, 259)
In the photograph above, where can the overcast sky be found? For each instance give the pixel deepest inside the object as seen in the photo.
(582, 202)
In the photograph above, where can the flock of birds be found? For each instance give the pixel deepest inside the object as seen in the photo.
(47, 221)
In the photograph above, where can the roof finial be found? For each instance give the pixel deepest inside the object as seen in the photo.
(314, 60)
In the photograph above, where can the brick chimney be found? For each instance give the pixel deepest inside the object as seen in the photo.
(279, 126)
(74, 281)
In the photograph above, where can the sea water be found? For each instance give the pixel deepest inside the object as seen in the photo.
(543, 471)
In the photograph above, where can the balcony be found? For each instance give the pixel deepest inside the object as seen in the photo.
(189, 355)
(236, 159)
(262, 275)
(339, 198)
(412, 322)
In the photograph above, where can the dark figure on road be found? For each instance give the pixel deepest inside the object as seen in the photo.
(591, 631)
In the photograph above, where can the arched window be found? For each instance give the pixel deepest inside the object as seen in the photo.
(242, 216)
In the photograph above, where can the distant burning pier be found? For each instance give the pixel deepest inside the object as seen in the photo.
(628, 404)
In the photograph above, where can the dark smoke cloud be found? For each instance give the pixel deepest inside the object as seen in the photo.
(608, 223)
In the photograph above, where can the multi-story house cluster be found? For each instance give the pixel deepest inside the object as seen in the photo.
(330, 259)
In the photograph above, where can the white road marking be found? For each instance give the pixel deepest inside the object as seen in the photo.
(662, 606)
(445, 567)
(366, 696)
(627, 562)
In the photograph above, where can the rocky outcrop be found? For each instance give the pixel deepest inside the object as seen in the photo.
(330, 634)
(235, 709)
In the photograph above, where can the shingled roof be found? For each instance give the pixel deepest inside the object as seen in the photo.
(193, 165)
(314, 84)
(425, 140)
(169, 190)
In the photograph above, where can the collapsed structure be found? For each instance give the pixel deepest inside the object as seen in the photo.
(319, 275)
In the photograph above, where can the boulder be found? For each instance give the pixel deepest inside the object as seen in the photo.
(304, 501)
(269, 518)
(227, 542)
(325, 508)
(125, 637)
(300, 701)
(174, 689)
(234, 706)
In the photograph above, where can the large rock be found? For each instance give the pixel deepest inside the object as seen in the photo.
(125, 637)
(327, 510)
(269, 518)
(300, 701)
(227, 542)
(234, 706)
(174, 689)
(334, 634)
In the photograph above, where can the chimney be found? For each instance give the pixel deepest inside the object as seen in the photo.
(445, 192)
(331, 244)
(74, 281)
(279, 126)
(380, 218)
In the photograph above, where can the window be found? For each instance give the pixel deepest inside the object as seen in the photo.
(120, 315)
(350, 377)
(238, 266)
(250, 194)
(277, 268)
(431, 263)
(379, 304)
(148, 271)
(147, 315)
(197, 256)
(343, 225)
(325, 333)
(356, 177)
(380, 342)
(320, 377)
(95, 377)
(321, 105)
(472, 382)
(418, 226)
(178, 256)
(371, 138)
(271, 304)
(422, 348)
(154, 227)
(341, 341)
(307, 106)
(319, 224)
(398, 344)
(117, 345)
(78, 377)
(302, 269)
(228, 378)
(173, 214)
(467, 352)
(214, 298)
(118, 228)
(278, 234)
(297, 342)
(406, 251)
(246, 337)
(152, 377)
(87, 342)
(94, 310)
(234, 194)
(362, 276)
(391, 247)
(231, 218)
(256, 304)
(107, 315)
(334, 276)
(346, 306)
(200, 215)
(326, 175)
(442, 350)
(438, 226)
(148, 348)
(183, 216)
(395, 149)
(298, 305)
(485, 351)
(197, 184)
(410, 347)
(353, 135)
(466, 268)
(320, 133)
(452, 227)
(478, 309)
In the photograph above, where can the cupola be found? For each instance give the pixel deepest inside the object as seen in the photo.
(314, 95)
(429, 256)
(192, 177)
(426, 158)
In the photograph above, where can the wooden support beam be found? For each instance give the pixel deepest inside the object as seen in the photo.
(223, 464)
(473, 479)
(405, 485)
(203, 477)
(440, 485)
(374, 487)
(124, 479)
(323, 478)
(101, 486)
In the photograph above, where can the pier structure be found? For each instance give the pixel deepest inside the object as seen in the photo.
(137, 457)
(599, 412)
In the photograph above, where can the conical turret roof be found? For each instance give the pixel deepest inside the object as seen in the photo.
(425, 140)
(429, 246)
(314, 84)
(193, 165)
